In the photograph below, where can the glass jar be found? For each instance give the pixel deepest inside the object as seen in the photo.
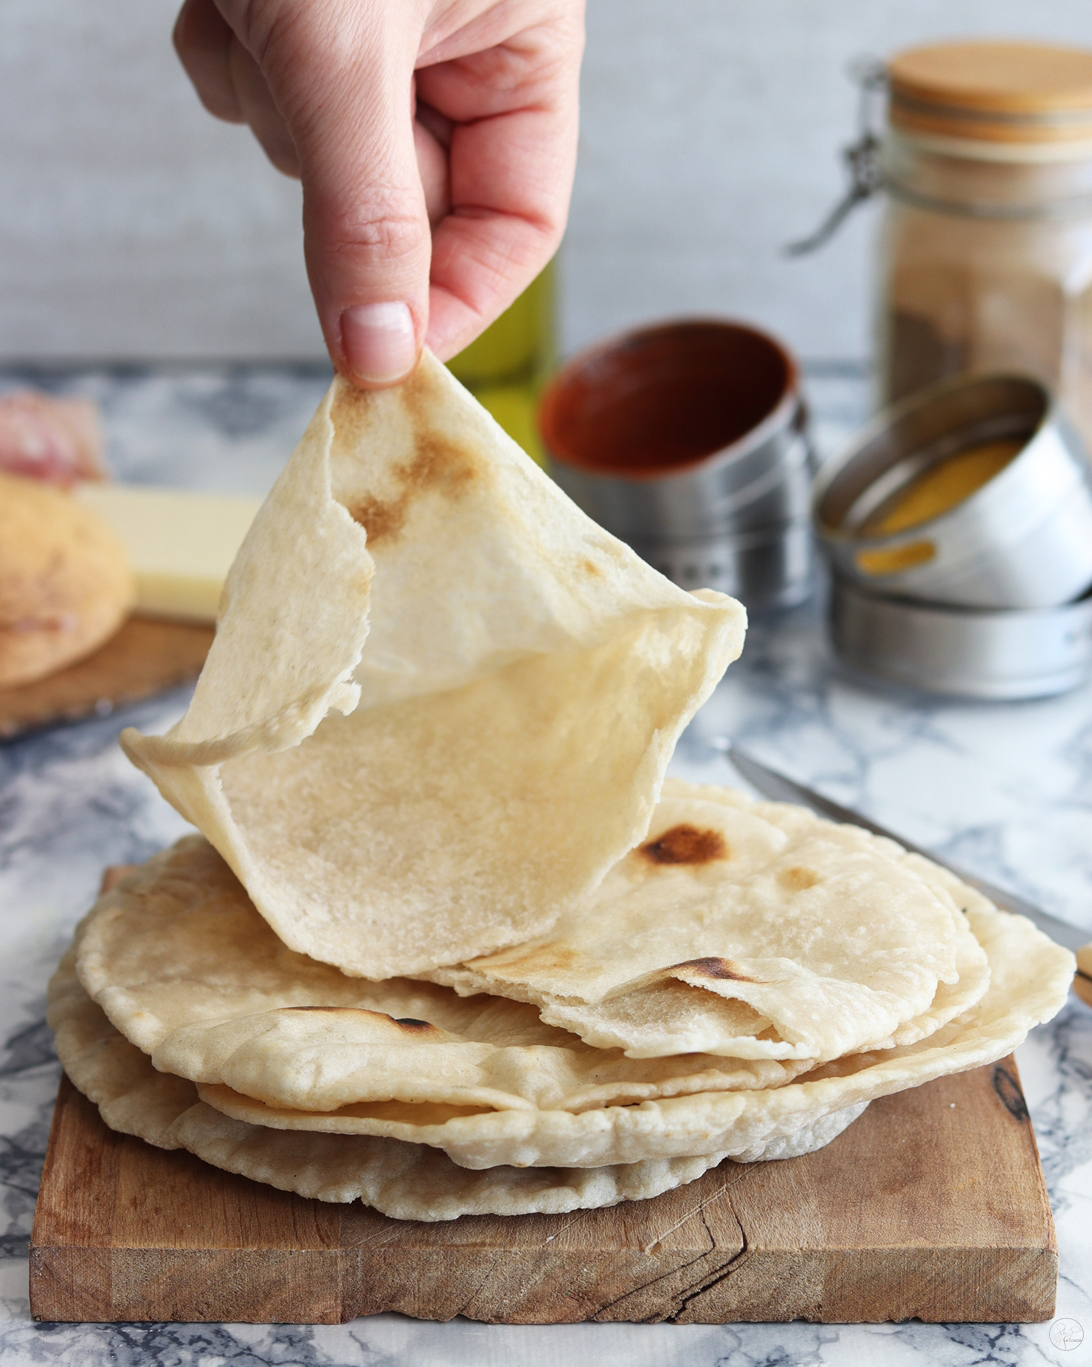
(985, 259)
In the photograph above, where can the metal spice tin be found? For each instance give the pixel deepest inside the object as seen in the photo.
(688, 442)
(1023, 539)
(963, 652)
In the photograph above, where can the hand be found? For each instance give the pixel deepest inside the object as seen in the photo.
(435, 141)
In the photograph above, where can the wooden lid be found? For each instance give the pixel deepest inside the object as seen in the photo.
(993, 92)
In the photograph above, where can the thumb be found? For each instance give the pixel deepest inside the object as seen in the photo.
(367, 241)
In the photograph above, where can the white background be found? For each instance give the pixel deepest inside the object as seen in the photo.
(132, 225)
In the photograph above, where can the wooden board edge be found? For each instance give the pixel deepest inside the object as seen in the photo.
(189, 1286)
(212, 1286)
(78, 1282)
(1008, 1066)
(38, 1237)
(960, 1285)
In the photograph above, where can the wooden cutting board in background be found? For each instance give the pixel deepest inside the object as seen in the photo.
(145, 657)
(931, 1205)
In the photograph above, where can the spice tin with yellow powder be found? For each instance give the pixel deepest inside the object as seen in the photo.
(976, 493)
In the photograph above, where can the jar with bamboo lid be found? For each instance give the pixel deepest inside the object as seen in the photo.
(986, 246)
(985, 253)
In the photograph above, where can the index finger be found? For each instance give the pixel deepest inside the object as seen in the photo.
(513, 156)
(202, 38)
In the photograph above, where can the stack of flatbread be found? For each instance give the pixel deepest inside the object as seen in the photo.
(449, 942)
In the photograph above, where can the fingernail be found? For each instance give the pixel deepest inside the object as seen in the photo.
(378, 342)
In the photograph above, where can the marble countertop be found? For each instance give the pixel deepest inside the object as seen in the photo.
(1003, 789)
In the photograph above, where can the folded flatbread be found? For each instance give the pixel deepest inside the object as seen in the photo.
(1029, 982)
(749, 929)
(405, 1181)
(531, 1096)
(189, 972)
(441, 700)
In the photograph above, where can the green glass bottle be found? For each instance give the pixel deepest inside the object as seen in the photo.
(506, 366)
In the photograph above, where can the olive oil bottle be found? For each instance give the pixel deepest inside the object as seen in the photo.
(506, 366)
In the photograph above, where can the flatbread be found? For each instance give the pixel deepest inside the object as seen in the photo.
(405, 1181)
(1030, 979)
(189, 972)
(441, 700)
(749, 929)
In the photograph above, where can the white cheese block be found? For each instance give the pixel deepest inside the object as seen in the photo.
(181, 544)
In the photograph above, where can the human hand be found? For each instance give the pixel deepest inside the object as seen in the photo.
(436, 145)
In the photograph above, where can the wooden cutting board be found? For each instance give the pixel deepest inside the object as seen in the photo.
(145, 657)
(931, 1205)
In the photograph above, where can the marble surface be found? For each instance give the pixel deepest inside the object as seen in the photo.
(1006, 789)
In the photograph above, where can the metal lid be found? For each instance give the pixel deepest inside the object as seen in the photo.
(1017, 535)
(993, 92)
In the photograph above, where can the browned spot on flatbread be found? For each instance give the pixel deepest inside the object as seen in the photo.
(686, 845)
(417, 389)
(408, 1023)
(797, 878)
(590, 567)
(713, 967)
(350, 412)
(438, 465)
(382, 521)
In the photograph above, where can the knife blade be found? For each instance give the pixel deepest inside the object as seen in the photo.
(781, 788)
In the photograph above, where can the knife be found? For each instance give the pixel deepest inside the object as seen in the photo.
(780, 788)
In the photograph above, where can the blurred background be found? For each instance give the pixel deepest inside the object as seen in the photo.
(134, 226)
